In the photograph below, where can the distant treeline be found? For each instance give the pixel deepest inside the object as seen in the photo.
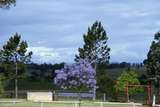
(125, 65)
(42, 71)
(47, 71)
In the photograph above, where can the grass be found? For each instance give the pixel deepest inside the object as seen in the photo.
(25, 103)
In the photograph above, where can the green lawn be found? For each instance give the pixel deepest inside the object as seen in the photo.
(25, 103)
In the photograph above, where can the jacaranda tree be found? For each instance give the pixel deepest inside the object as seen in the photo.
(77, 76)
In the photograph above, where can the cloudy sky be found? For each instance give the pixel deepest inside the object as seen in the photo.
(54, 28)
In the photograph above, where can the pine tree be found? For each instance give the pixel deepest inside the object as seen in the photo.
(152, 63)
(14, 56)
(95, 46)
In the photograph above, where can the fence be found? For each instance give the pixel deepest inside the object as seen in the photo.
(13, 103)
(115, 104)
(139, 97)
(66, 104)
(59, 95)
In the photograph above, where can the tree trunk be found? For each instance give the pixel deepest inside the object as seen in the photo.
(79, 99)
(94, 89)
(95, 67)
(16, 83)
(158, 92)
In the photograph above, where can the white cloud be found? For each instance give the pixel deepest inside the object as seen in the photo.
(41, 42)
(52, 55)
(131, 52)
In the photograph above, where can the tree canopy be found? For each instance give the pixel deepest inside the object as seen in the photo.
(95, 46)
(79, 75)
(15, 51)
(7, 3)
(131, 78)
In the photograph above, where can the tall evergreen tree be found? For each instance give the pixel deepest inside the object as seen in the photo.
(7, 3)
(13, 56)
(95, 46)
(152, 63)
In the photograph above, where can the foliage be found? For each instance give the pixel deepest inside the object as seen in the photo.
(143, 79)
(130, 78)
(105, 83)
(42, 72)
(15, 51)
(95, 46)
(77, 75)
(26, 84)
(152, 63)
(1, 85)
(7, 3)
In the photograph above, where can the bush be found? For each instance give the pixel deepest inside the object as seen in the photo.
(1, 85)
(130, 77)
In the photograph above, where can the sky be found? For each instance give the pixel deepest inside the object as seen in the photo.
(54, 28)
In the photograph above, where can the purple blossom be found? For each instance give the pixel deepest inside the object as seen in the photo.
(75, 75)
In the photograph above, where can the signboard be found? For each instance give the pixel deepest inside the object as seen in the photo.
(39, 96)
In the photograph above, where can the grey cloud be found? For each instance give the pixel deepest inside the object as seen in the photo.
(61, 24)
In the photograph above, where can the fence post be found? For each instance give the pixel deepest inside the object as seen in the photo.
(41, 104)
(76, 104)
(14, 104)
(154, 101)
(127, 93)
(104, 97)
(94, 93)
(101, 104)
(134, 105)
